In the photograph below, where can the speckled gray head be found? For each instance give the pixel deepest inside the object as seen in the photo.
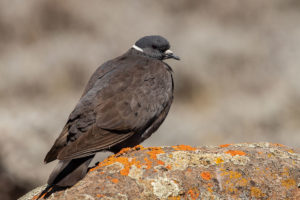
(155, 46)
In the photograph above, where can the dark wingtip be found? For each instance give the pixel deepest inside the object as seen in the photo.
(48, 159)
(51, 156)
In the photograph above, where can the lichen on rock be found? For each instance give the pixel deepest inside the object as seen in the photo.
(231, 171)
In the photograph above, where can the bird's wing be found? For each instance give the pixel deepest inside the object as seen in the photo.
(91, 142)
(119, 104)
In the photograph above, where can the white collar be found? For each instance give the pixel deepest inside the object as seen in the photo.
(137, 48)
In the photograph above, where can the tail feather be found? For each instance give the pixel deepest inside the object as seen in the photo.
(67, 173)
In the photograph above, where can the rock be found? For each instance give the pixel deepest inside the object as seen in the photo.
(230, 171)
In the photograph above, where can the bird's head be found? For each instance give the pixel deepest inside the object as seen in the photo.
(155, 46)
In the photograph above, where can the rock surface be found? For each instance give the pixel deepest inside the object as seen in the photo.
(230, 171)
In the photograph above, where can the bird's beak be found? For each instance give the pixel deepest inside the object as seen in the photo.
(169, 54)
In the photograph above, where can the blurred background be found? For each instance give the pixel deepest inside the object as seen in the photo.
(238, 80)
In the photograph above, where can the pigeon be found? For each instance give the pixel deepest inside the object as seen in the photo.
(124, 102)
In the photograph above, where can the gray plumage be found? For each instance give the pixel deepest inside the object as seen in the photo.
(124, 102)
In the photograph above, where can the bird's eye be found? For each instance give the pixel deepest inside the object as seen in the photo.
(154, 46)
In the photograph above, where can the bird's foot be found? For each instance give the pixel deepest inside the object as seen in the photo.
(129, 149)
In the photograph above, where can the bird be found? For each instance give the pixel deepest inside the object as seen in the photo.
(124, 103)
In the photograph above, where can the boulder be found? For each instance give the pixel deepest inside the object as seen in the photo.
(230, 171)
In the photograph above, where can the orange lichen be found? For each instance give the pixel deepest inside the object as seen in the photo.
(231, 175)
(232, 181)
(224, 145)
(100, 195)
(160, 162)
(279, 145)
(288, 183)
(209, 189)
(148, 163)
(219, 160)
(234, 175)
(270, 155)
(243, 182)
(194, 193)
(123, 160)
(206, 175)
(154, 151)
(285, 172)
(256, 192)
(93, 169)
(114, 180)
(184, 148)
(291, 151)
(169, 167)
(236, 152)
(127, 164)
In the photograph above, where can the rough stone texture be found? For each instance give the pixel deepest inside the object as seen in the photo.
(230, 171)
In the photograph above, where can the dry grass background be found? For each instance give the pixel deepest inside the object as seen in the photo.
(238, 80)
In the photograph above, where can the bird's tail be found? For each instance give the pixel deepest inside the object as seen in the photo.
(66, 174)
